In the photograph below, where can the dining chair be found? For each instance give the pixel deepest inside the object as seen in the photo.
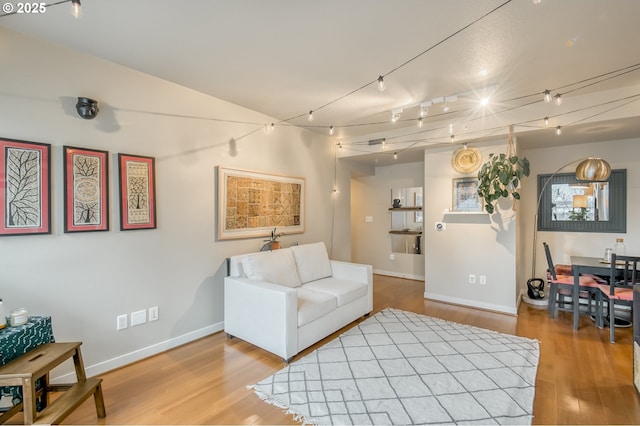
(561, 282)
(623, 275)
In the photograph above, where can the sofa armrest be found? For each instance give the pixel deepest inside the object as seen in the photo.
(355, 272)
(263, 314)
(352, 271)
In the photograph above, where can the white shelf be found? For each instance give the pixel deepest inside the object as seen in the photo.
(447, 211)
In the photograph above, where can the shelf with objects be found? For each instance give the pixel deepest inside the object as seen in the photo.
(406, 220)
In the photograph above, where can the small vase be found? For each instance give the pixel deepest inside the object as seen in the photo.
(275, 245)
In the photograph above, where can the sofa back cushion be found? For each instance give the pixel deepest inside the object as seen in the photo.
(312, 261)
(276, 267)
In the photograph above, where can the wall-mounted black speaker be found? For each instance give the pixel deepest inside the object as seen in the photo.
(87, 108)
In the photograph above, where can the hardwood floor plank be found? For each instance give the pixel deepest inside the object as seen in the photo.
(582, 378)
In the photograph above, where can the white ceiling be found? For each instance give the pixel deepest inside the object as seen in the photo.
(286, 57)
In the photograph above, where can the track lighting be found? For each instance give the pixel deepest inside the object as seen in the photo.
(558, 99)
(424, 108)
(558, 130)
(395, 155)
(420, 122)
(310, 117)
(452, 138)
(331, 130)
(75, 8)
(381, 85)
(464, 145)
(395, 114)
(546, 122)
(547, 96)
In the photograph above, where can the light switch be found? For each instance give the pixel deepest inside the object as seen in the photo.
(368, 219)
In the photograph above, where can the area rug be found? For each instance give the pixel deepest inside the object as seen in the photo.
(398, 367)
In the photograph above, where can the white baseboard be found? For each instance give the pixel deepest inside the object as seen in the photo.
(472, 303)
(399, 275)
(137, 355)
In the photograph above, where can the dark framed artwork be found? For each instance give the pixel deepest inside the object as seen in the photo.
(86, 190)
(465, 195)
(25, 187)
(137, 192)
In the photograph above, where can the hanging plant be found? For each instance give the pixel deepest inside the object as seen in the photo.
(500, 177)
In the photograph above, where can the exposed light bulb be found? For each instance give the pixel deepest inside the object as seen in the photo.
(381, 85)
(484, 101)
(310, 117)
(420, 122)
(395, 155)
(75, 8)
(546, 122)
(331, 130)
(558, 99)
(547, 96)
(558, 130)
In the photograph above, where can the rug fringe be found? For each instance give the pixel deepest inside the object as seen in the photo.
(298, 417)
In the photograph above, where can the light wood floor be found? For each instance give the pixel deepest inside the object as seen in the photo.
(582, 378)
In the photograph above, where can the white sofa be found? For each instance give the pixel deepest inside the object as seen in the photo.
(286, 300)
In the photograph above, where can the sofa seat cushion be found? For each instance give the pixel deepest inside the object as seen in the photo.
(344, 291)
(312, 261)
(313, 305)
(276, 267)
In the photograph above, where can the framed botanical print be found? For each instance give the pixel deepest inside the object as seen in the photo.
(137, 192)
(465, 195)
(25, 187)
(86, 190)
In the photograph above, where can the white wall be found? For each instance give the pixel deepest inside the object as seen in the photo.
(84, 280)
(478, 244)
(622, 154)
(371, 241)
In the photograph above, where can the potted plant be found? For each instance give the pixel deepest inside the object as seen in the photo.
(272, 242)
(500, 177)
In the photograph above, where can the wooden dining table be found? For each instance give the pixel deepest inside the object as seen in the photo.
(585, 265)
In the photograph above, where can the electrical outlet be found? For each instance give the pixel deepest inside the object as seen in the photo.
(392, 257)
(153, 314)
(483, 280)
(472, 279)
(121, 322)
(138, 317)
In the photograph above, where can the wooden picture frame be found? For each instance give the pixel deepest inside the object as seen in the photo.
(465, 195)
(137, 182)
(86, 189)
(251, 204)
(25, 187)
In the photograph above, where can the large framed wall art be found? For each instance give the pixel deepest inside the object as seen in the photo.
(137, 192)
(251, 204)
(25, 187)
(86, 190)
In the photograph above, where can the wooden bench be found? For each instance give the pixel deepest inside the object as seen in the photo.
(26, 369)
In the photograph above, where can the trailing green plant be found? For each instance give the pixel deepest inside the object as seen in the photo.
(500, 177)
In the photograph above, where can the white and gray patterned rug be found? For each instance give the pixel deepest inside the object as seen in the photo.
(399, 367)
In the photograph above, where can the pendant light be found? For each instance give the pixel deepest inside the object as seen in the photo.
(593, 169)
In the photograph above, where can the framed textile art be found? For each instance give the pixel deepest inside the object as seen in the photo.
(25, 187)
(137, 192)
(251, 204)
(86, 190)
